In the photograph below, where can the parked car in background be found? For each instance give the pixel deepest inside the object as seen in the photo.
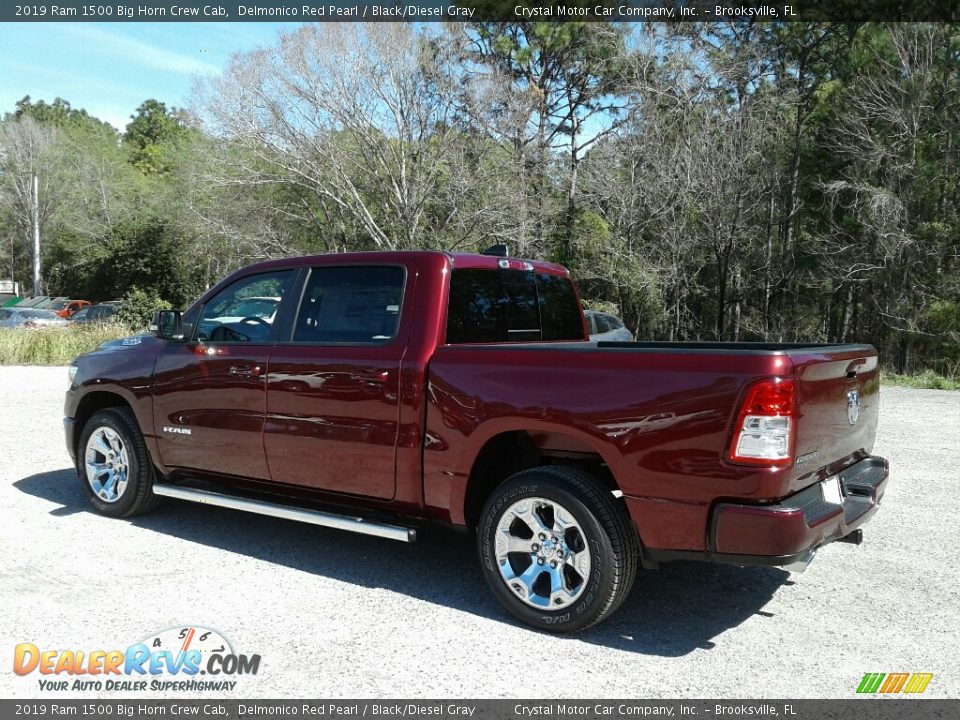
(66, 308)
(15, 317)
(606, 328)
(100, 313)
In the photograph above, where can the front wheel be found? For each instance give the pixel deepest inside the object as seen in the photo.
(557, 549)
(114, 464)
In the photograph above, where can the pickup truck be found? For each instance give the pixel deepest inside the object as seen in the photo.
(392, 389)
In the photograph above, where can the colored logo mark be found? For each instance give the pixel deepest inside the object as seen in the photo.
(894, 683)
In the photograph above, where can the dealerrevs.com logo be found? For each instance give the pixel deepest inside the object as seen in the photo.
(180, 659)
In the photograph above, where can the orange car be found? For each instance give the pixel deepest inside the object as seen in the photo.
(66, 308)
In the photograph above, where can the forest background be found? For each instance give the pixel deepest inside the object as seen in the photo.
(719, 181)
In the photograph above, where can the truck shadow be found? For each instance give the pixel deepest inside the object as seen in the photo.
(670, 613)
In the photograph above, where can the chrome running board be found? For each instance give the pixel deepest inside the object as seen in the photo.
(313, 517)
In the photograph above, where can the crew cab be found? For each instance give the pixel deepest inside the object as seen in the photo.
(391, 389)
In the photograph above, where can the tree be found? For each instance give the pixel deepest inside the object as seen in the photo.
(551, 79)
(28, 154)
(893, 233)
(358, 118)
(151, 132)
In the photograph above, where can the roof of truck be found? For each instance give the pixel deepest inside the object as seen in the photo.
(458, 260)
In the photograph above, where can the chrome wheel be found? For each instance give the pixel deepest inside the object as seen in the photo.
(107, 464)
(542, 553)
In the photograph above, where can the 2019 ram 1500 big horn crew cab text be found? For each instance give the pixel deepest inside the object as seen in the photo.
(384, 390)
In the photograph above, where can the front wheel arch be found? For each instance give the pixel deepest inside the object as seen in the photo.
(117, 427)
(89, 405)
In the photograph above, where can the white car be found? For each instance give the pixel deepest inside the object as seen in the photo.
(262, 308)
(13, 317)
(249, 317)
(606, 328)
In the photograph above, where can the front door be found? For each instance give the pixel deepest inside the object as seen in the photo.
(209, 394)
(332, 392)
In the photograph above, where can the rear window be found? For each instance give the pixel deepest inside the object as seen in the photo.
(489, 306)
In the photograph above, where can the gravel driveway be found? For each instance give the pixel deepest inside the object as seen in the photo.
(340, 615)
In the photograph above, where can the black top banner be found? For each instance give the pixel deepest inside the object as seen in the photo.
(481, 10)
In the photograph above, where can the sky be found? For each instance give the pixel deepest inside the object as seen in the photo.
(109, 69)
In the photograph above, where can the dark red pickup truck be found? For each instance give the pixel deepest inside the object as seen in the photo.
(375, 391)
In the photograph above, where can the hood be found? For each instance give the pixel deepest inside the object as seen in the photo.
(131, 342)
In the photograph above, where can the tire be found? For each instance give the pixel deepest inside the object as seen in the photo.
(114, 465)
(579, 570)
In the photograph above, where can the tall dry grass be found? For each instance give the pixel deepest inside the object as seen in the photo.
(54, 346)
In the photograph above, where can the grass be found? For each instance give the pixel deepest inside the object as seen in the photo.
(54, 346)
(927, 379)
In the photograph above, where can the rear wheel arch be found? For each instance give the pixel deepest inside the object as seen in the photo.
(524, 536)
(507, 453)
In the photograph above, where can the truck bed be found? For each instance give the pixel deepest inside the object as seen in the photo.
(658, 414)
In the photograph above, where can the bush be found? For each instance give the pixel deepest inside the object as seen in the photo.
(54, 346)
(138, 307)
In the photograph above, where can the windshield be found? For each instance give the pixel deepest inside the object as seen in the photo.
(38, 314)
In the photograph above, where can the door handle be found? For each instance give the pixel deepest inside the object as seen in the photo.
(251, 371)
(852, 368)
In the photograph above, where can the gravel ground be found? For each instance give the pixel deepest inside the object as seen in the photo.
(340, 615)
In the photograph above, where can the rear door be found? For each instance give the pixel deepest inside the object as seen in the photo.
(209, 395)
(333, 389)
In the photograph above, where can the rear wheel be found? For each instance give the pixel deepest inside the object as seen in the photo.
(557, 549)
(114, 464)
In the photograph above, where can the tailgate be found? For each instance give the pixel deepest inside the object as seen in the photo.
(837, 394)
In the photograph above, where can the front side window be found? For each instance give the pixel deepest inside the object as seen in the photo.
(357, 305)
(245, 310)
(488, 306)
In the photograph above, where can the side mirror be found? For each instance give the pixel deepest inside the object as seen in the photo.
(167, 324)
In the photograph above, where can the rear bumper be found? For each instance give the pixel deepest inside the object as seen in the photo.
(789, 532)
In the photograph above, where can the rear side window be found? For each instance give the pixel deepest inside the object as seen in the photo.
(488, 306)
(355, 305)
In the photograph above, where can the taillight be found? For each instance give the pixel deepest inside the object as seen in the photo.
(763, 434)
